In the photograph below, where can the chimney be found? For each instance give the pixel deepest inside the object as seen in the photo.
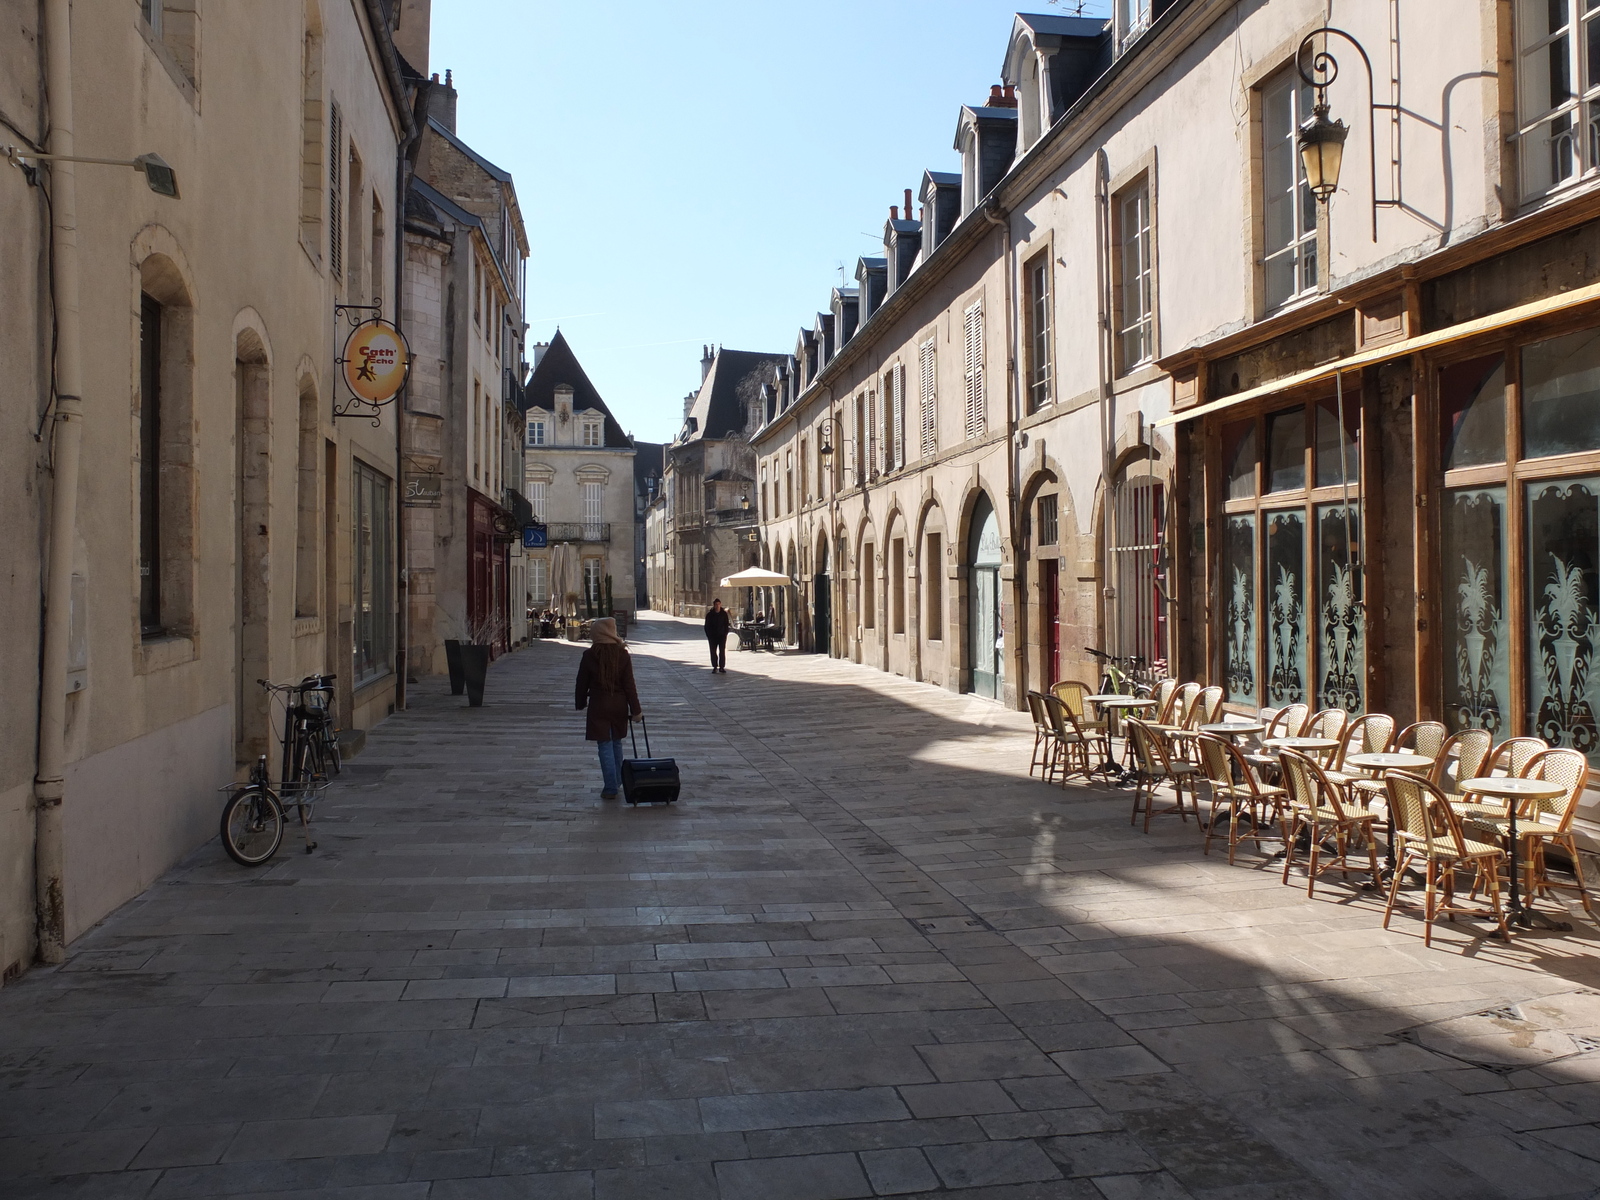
(1002, 97)
(538, 352)
(706, 359)
(894, 212)
(442, 102)
(996, 97)
(908, 204)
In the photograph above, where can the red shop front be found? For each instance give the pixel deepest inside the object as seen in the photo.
(488, 577)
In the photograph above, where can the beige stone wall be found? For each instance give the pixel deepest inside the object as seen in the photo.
(248, 332)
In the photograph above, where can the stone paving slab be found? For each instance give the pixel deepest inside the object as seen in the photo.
(866, 955)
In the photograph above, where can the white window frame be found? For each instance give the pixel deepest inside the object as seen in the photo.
(1136, 281)
(538, 492)
(593, 432)
(537, 431)
(593, 502)
(1558, 137)
(1037, 272)
(1303, 249)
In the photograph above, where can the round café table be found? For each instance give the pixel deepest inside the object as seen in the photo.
(1117, 703)
(1229, 729)
(1381, 763)
(1312, 746)
(1511, 789)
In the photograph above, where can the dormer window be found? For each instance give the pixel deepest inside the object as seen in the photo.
(1133, 18)
(538, 430)
(593, 431)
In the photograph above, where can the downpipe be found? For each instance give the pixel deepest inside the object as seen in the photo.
(66, 438)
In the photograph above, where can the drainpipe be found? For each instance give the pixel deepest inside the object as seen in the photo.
(49, 783)
(1001, 220)
(405, 161)
(1105, 350)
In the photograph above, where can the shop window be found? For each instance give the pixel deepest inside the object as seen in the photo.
(1564, 612)
(1136, 561)
(1286, 450)
(1472, 413)
(1239, 591)
(1289, 210)
(1239, 458)
(1561, 387)
(1332, 442)
(1341, 622)
(1285, 606)
(373, 582)
(1477, 649)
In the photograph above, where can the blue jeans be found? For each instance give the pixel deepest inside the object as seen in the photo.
(611, 764)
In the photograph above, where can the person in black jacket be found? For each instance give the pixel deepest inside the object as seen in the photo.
(717, 634)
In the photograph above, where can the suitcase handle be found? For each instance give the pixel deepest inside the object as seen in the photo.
(635, 740)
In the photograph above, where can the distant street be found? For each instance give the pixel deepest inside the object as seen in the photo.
(865, 955)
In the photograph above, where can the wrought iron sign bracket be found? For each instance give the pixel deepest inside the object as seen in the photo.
(350, 315)
(1323, 70)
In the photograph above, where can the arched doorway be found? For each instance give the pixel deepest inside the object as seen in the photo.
(984, 651)
(821, 601)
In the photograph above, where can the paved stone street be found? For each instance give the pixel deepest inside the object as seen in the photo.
(865, 955)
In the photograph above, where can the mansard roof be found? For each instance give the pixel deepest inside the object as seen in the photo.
(731, 387)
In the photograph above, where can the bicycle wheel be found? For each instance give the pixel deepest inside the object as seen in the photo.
(252, 826)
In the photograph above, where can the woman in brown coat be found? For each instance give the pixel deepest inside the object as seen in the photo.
(606, 689)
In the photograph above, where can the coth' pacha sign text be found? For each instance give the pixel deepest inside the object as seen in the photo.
(376, 359)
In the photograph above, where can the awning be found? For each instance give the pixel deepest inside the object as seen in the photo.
(1426, 341)
(756, 577)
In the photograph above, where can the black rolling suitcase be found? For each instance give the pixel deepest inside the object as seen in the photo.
(648, 780)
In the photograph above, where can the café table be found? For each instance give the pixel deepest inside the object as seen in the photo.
(1513, 790)
(1229, 729)
(1381, 763)
(1312, 746)
(1115, 702)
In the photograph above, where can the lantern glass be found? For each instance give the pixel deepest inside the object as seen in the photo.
(1321, 144)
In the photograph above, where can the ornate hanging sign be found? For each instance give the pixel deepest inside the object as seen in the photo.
(376, 359)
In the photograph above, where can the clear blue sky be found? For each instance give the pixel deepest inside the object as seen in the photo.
(697, 172)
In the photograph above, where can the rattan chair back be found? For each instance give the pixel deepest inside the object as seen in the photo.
(1564, 766)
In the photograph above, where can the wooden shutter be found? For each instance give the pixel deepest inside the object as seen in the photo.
(976, 418)
(872, 432)
(900, 451)
(928, 399)
(335, 192)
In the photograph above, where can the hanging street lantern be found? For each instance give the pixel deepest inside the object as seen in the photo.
(1321, 145)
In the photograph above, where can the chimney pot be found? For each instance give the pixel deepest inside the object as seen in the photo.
(908, 204)
(995, 95)
(894, 212)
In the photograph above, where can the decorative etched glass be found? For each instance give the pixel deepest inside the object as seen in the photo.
(1561, 394)
(1564, 612)
(1477, 669)
(1341, 621)
(1239, 595)
(1285, 601)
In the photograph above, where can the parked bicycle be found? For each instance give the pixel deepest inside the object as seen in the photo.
(253, 818)
(1124, 674)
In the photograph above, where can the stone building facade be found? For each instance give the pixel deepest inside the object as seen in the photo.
(580, 487)
(709, 484)
(1129, 384)
(228, 526)
(463, 512)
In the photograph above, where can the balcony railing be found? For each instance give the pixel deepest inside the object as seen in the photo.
(578, 531)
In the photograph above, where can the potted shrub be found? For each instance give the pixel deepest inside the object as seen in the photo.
(475, 654)
(452, 662)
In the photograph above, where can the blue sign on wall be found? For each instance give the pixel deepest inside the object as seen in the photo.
(534, 537)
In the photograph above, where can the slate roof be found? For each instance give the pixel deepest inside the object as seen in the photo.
(649, 458)
(560, 365)
(500, 173)
(730, 388)
(424, 196)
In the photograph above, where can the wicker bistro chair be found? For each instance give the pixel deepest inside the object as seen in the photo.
(1542, 822)
(1254, 810)
(1163, 695)
(1316, 808)
(1512, 756)
(1461, 757)
(1329, 723)
(1423, 737)
(1071, 692)
(1154, 765)
(1288, 721)
(1429, 832)
(1369, 734)
(1044, 743)
(1073, 743)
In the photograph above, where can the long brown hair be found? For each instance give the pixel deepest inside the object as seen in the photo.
(609, 660)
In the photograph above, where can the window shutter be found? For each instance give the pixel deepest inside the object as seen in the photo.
(976, 420)
(900, 414)
(335, 192)
(872, 432)
(930, 439)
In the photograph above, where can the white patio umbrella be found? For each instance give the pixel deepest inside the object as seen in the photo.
(756, 577)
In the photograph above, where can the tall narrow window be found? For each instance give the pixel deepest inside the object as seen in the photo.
(476, 452)
(373, 581)
(805, 474)
(933, 587)
(788, 481)
(972, 328)
(1289, 210)
(308, 517)
(311, 144)
(928, 397)
(897, 414)
(874, 435)
(869, 616)
(591, 580)
(1558, 99)
(1049, 521)
(335, 191)
(593, 503)
(539, 582)
(1135, 290)
(1036, 283)
(356, 261)
(537, 491)
(897, 583)
(149, 467)
(861, 438)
